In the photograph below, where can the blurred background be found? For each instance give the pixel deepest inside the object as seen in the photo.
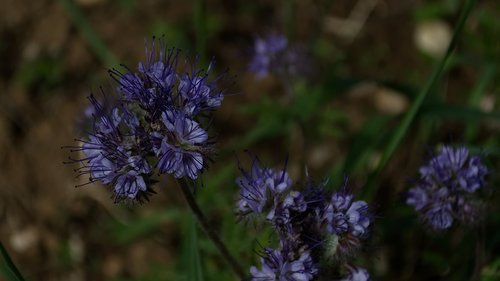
(367, 59)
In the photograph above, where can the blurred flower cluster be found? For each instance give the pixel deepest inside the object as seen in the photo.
(446, 188)
(314, 227)
(154, 122)
(274, 55)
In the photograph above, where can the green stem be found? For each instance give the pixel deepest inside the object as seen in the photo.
(289, 10)
(201, 29)
(403, 127)
(479, 256)
(14, 272)
(205, 225)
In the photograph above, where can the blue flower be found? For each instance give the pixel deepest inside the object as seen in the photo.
(455, 169)
(181, 150)
(129, 185)
(273, 54)
(357, 274)
(343, 215)
(114, 154)
(159, 111)
(157, 85)
(199, 94)
(276, 266)
(445, 189)
(259, 185)
(267, 52)
(346, 222)
(311, 224)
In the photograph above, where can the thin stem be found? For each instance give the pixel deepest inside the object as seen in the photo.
(205, 225)
(289, 13)
(479, 260)
(403, 127)
(201, 29)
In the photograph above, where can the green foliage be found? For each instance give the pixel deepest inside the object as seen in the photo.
(86, 29)
(173, 33)
(275, 118)
(437, 9)
(43, 73)
(190, 252)
(492, 271)
(141, 226)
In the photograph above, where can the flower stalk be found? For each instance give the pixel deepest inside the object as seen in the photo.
(209, 231)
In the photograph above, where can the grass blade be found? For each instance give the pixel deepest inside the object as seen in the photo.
(475, 97)
(200, 22)
(192, 262)
(78, 18)
(10, 271)
(403, 127)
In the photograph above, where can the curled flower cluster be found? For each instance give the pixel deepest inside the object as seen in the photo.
(273, 54)
(312, 225)
(156, 122)
(446, 187)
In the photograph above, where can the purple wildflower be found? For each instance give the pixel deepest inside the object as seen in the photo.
(159, 112)
(276, 266)
(445, 189)
(273, 54)
(344, 215)
(357, 274)
(199, 94)
(311, 224)
(267, 52)
(113, 155)
(181, 149)
(258, 186)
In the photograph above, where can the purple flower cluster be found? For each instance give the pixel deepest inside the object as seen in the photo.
(156, 121)
(275, 266)
(273, 54)
(445, 190)
(312, 225)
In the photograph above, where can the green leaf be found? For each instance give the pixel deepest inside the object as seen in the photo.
(7, 267)
(192, 262)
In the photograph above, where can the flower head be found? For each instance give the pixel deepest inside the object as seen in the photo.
(259, 186)
(277, 266)
(156, 121)
(311, 224)
(114, 154)
(344, 215)
(273, 54)
(445, 190)
(357, 274)
(180, 149)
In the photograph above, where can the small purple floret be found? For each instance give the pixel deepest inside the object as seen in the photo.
(276, 266)
(357, 274)
(444, 192)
